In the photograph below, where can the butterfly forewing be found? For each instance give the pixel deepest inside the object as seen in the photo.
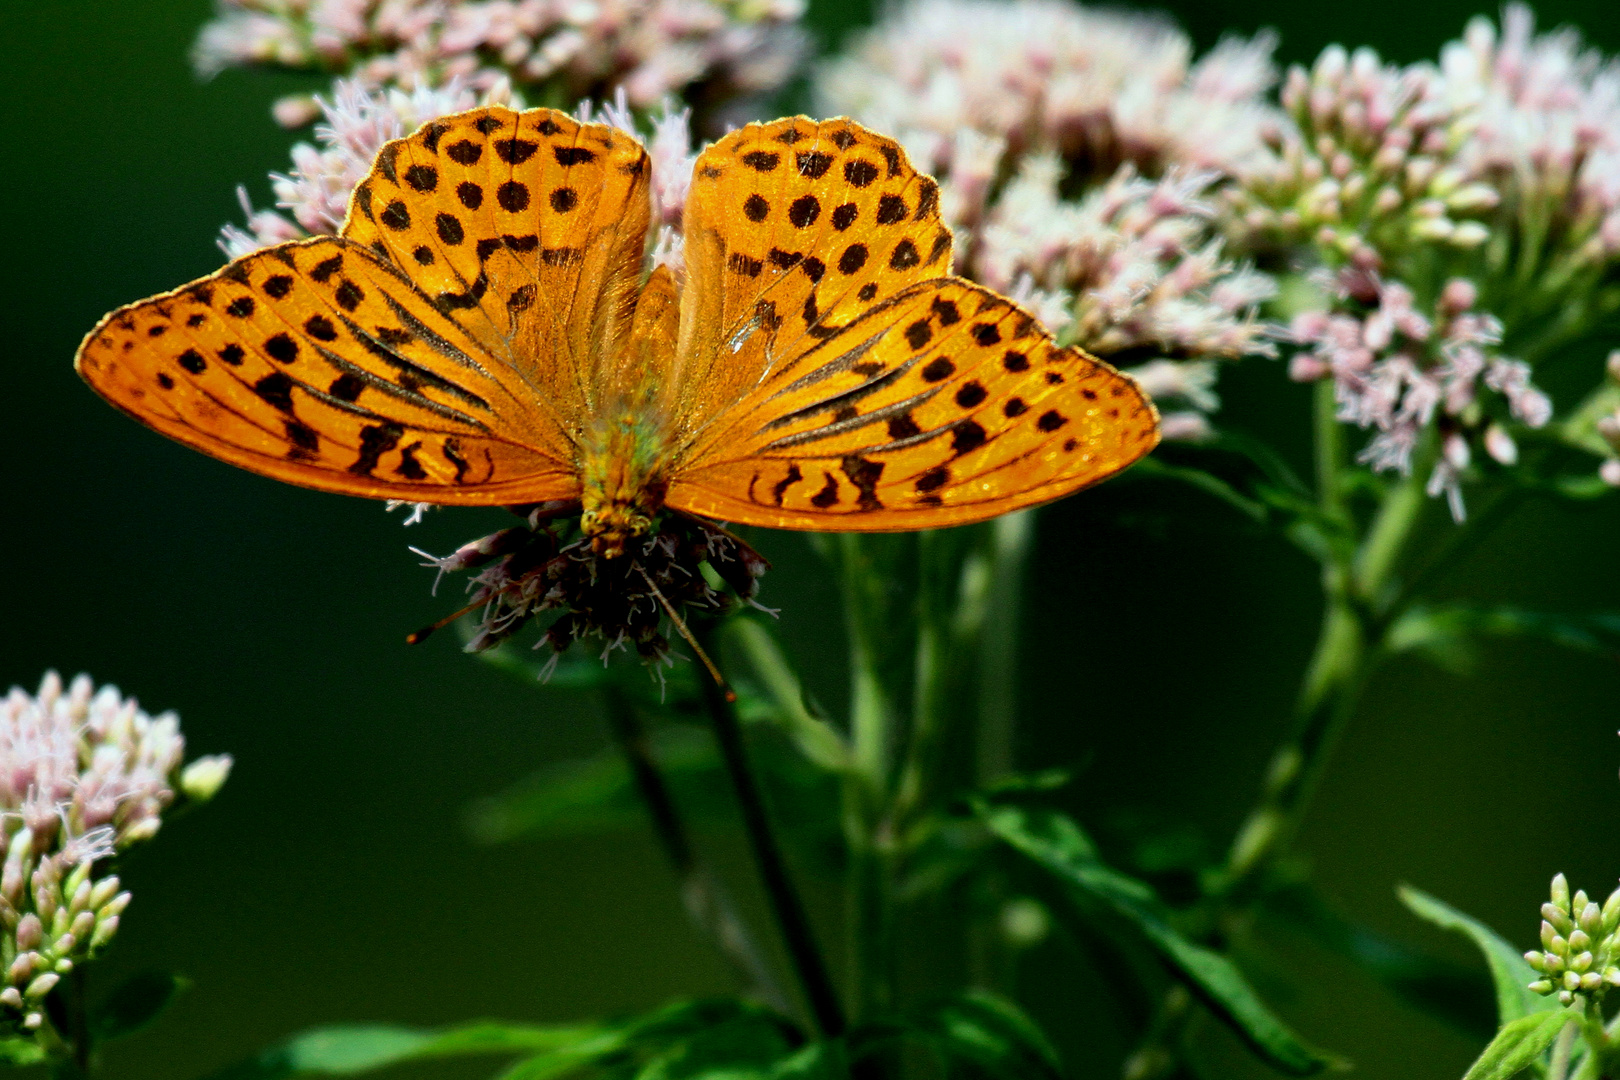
(942, 405)
(318, 364)
(527, 229)
(792, 229)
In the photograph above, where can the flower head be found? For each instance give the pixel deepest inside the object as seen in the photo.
(1099, 88)
(1580, 946)
(1077, 153)
(83, 774)
(541, 569)
(552, 50)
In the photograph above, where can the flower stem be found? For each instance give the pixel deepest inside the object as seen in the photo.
(707, 902)
(786, 906)
(998, 652)
(868, 805)
(1355, 589)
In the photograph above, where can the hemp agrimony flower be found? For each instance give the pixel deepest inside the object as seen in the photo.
(1076, 152)
(1580, 945)
(551, 52)
(83, 775)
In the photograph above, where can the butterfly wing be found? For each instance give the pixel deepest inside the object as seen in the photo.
(829, 375)
(319, 364)
(792, 229)
(942, 405)
(527, 230)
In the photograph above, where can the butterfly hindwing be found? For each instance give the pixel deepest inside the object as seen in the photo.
(792, 229)
(316, 363)
(943, 405)
(527, 229)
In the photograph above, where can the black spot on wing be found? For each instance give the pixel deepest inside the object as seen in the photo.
(864, 474)
(375, 441)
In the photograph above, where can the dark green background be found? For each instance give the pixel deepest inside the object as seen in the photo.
(333, 879)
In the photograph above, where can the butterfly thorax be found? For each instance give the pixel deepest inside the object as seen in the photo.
(622, 486)
(623, 456)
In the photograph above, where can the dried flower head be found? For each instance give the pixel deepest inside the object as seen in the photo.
(545, 568)
(83, 774)
(1580, 946)
(549, 50)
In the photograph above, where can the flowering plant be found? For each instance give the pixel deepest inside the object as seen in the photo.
(84, 775)
(1432, 251)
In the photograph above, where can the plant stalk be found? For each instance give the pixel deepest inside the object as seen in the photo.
(707, 901)
(786, 906)
(868, 800)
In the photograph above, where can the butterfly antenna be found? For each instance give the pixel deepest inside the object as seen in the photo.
(685, 632)
(422, 634)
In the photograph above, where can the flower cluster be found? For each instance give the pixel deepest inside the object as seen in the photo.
(1398, 371)
(1581, 956)
(1365, 167)
(962, 81)
(1467, 214)
(82, 775)
(1539, 120)
(542, 568)
(1128, 271)
(1013, 106)
(551, 50)
(356, 124)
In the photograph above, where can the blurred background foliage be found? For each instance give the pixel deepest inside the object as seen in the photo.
(337, 877)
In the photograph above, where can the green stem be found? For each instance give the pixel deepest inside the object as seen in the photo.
(1352, 628)
(67, 1059)
(868, 823)
(707, 902)
(791, 918)
(998, 651)
(1563, 1045)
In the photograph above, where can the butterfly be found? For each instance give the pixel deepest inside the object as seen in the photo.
(484, 331)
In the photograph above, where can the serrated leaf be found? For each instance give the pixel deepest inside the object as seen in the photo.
(352, 1049)
(1519, 1045)
(1057, 844)
(135, 1003)
(1510, 974)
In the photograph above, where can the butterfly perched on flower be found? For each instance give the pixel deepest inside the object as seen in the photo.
(484, 331)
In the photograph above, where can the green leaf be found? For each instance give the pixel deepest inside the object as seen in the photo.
(1455, 993)
(748, 1045)
(135, 1003)
(676, 691)
(1056, 843)
(591, 794)
(992, 1033)
(1519, 1045)
(351, 1049)
(20, 1052)
(1446, 633)
(1509, 972)
(816, 739)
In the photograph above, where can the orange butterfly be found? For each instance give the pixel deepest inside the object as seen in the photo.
(483, 332)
